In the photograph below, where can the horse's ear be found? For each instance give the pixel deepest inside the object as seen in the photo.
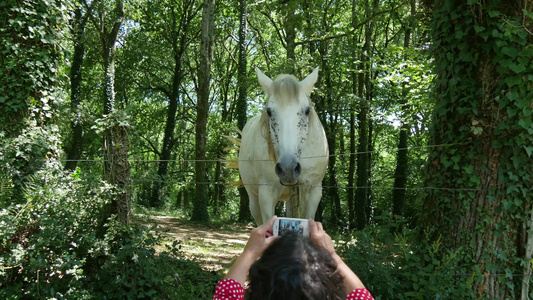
(309, 82)
(264, 80)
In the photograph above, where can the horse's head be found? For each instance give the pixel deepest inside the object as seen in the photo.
(289, 111)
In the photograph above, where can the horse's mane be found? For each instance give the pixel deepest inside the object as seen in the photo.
(265, 131)
(285, 89)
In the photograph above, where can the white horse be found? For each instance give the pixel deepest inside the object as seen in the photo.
(283, 148)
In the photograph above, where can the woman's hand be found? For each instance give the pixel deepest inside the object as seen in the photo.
(319, 237)
(260, 238)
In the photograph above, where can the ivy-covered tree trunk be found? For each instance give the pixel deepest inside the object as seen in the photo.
(30, 55)
(244, 201)
(76, 145)
(115, 157)
(482, 172)
(108, 38)
(204, 75)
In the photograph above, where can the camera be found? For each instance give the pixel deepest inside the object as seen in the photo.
(284, 226)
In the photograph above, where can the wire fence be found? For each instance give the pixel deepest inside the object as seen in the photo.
(307, 157)
(171, 180)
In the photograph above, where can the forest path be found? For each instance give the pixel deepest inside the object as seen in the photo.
(214, 247)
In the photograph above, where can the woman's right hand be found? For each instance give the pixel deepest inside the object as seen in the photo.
(319, 237)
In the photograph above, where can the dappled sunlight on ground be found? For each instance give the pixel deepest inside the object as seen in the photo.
(213, 247)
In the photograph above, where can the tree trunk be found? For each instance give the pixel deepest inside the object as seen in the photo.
(168, 138)
(362, 146)
(120, 172)
(331, 131)
(204, 75)
(527, 258)
(482, 180)
(221, 172)
(400, 173)
(363, 162)
(178, 39)
(244, 201)
(108, 40)
(369, 150)
(290, 36)
(351, 171)
(351, 167)
(116, 166)
(76, 145)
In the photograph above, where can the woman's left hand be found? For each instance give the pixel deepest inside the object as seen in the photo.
(260, 238)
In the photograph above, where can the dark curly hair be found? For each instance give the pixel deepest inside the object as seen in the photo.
(294, 268)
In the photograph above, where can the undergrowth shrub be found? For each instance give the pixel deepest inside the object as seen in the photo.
(50, 249)
(403, 266)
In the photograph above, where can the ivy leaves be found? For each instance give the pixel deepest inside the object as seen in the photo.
(484, 66)
(29, 52)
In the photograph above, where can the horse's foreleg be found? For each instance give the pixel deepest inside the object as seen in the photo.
(312, 196)
(268, 197)
(255, 209)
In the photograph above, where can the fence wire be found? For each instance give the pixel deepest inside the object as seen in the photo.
(236, 159)
(304, 185)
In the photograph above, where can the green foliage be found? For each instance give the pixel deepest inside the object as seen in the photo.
(400, 267)
(129, 268)
(49, 248)
(46, 241)
(22, 156)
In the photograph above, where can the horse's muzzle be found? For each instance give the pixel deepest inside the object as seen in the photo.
(288, 171)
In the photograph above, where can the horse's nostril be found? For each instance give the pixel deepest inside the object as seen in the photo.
(278, 169)
(297, 170)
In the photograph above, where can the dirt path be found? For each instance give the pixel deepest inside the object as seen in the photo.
(214, 247)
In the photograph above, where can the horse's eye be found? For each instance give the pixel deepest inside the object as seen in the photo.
(269, 112)
(307, 111)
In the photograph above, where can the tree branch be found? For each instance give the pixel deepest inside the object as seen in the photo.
(352, 31)
(154, 148)
(278, 31)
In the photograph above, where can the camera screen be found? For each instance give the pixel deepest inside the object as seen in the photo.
(291, 226)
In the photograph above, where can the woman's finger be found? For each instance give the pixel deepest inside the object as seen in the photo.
(271, 221)
(312, 226)
(319, 226)
(266, 226)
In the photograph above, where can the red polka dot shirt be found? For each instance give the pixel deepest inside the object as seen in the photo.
(229, 289)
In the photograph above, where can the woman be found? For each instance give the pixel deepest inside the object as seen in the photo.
(291, 267)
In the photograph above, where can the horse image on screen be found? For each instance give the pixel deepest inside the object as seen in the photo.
(284, 148)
